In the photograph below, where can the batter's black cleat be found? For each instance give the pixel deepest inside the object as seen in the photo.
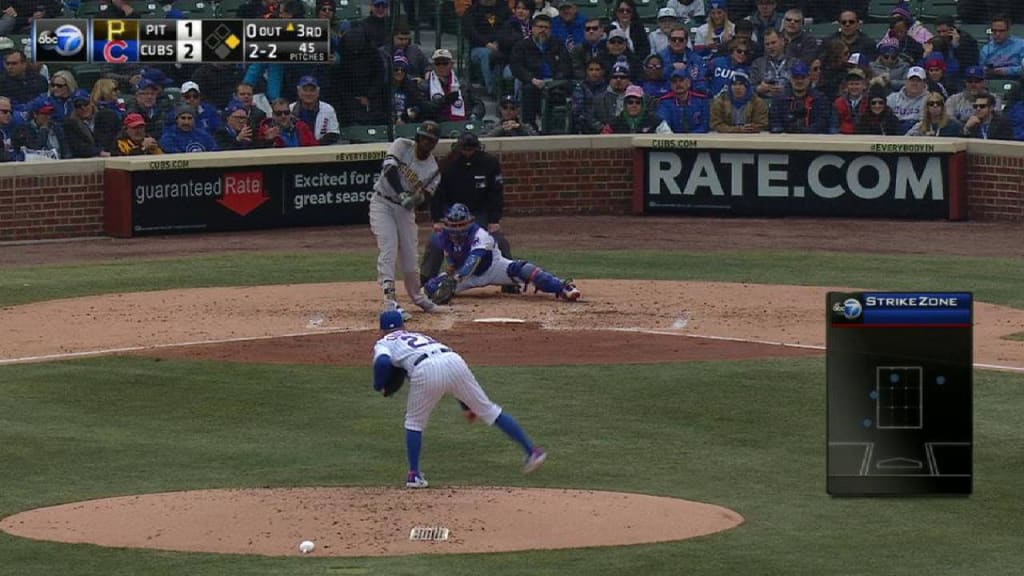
(511, 289)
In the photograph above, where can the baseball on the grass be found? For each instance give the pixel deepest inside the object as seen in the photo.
(306, 546)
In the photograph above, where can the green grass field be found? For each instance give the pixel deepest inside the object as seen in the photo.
(745, 435)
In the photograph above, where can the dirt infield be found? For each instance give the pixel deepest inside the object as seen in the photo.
(622, 321)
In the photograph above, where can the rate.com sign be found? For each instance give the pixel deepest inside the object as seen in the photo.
(798, 183)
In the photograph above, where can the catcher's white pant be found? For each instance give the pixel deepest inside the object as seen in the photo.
(495, 275)
(397, 236)
(442, 372)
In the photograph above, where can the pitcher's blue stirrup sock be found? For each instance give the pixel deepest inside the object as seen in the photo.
(509, 426)
(413, 442)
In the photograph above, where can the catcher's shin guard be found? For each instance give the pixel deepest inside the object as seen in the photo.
(529, 272)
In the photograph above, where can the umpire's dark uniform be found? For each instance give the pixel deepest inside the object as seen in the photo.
(471, 179)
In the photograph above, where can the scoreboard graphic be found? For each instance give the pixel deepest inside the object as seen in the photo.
(114, 41)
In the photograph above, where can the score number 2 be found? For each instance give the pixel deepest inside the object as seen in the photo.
(254, 51)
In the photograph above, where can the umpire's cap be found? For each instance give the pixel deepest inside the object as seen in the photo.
(430, 129)
(469, 140)
(391, 319)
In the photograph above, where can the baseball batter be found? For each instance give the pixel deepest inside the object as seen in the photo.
(474, 260)
(435, 370)
(408, 178)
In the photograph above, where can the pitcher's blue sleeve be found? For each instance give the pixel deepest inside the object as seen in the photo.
(381, 371)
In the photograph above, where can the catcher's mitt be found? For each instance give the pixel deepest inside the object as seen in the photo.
(445, 291)
(395, 381)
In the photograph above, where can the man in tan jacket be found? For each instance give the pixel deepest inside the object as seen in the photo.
(739, 108)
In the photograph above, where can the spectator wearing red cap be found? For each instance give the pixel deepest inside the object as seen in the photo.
(133, 139)
(938, 78)
(636, 117)
(315, 113)
(40, 132)
(90, 131)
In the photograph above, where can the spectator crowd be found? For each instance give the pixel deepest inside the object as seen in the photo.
(730, 66)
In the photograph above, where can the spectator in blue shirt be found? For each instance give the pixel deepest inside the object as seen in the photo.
(1002, 56)
(183, 136)
(569, 26)
(683, 110)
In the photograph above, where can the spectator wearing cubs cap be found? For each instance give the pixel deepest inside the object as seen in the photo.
(40, 132)
(90, 131)
(405, 95)
(738, 108)
(801, 109)
(315, 113)
(133, 139)
(684, 110)
(960, 106)
(237, 133)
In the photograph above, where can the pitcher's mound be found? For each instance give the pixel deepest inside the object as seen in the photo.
(372, 521)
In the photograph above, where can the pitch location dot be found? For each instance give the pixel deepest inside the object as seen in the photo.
(940, 380)
(874, 395)
(866, 423)
(894, 377)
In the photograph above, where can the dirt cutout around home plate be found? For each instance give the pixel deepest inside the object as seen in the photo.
(372, 521)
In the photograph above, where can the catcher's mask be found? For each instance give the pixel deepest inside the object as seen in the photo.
(391, 320)
(457, 220)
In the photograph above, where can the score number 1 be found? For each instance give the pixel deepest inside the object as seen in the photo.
(189, 48)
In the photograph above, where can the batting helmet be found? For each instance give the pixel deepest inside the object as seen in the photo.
(429, 129)
(391, 319)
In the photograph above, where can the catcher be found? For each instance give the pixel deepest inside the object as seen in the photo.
(435, 370)
(474, 260)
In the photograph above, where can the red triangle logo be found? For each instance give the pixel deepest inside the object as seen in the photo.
(243, 192)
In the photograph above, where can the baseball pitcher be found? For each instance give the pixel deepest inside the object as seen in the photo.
(474, 260)
(409, 176)
(434, 370)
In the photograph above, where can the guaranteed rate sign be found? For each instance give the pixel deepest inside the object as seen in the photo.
(796, 183)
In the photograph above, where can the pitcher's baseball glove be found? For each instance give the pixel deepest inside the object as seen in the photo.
(395, 381)
(445, 291)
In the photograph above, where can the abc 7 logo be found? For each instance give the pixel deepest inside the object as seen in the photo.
(850, 308)
(66, 40)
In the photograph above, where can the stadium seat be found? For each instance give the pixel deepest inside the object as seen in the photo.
(406, 130)
(647, 10)
(932, 9)
(360, 134)
(875, 30)
(453, 129)
(1000, 87)
(349, 10)
(979, 31)
(87, 74)
(879, 10)
(593, 9)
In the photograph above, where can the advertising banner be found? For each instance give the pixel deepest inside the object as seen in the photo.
(796, 183)
(252, 197)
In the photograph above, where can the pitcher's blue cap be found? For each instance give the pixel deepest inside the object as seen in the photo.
(391, 319)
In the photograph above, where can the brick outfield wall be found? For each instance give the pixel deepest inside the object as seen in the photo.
(586, 181)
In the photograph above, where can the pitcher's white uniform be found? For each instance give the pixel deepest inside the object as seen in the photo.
(434, 370)
(395, 226)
